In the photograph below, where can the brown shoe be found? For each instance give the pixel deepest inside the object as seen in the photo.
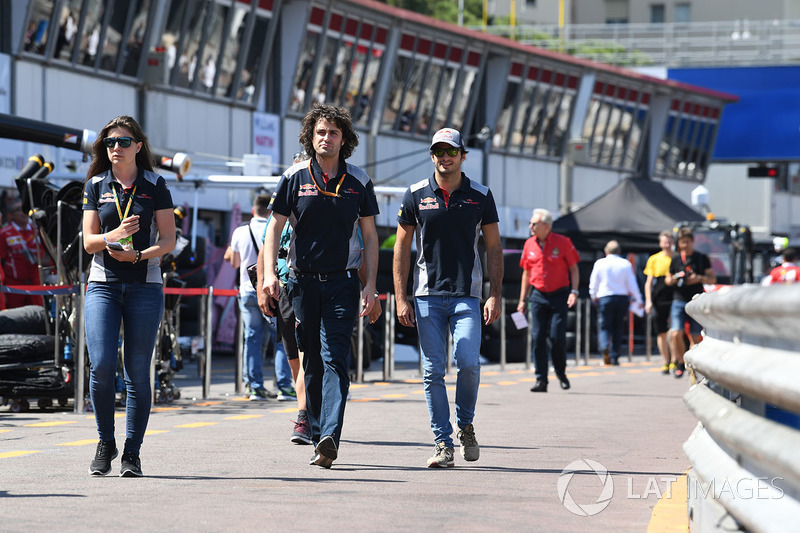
(606, 357)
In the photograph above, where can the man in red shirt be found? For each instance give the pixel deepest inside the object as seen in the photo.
(19, 249)
(786, 272)
(550, 279)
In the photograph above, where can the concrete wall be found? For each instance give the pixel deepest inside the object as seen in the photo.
(594, 12)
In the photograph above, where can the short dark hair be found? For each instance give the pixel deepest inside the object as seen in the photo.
(789, 255)
(685, 233)
(261, 204)
(339, 116)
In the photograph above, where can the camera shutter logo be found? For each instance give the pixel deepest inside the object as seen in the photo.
(588, 466)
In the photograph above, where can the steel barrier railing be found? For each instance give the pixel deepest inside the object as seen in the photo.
(745, 468)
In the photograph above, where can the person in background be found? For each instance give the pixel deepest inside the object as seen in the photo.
(325, 199)
(658, 296)
(446, 213)
(786, 272)
(550, 278)
(128, 224)
(689, 270)
(20, 252)
(242, 252)
(612, 287)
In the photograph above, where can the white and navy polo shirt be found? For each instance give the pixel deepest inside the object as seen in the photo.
(447, 229)
(151, 195)
(324, 237)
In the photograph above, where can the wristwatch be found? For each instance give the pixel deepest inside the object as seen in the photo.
(574, 291)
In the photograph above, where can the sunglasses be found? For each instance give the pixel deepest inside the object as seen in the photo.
(452, 152)
(123, 141)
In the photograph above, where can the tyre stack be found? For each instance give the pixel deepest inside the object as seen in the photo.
(27, 356)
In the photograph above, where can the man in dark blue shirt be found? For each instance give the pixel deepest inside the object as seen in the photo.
(446, 213)
(325, 199)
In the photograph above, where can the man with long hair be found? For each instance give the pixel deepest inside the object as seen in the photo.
(325, 199)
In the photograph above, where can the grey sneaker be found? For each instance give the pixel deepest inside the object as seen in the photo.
(106, 452)
(131, 465)
(442, 457)
(302, 432)
(470, 450)
(259, 393)
(287, 394)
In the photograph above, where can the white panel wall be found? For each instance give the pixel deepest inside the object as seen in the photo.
(590, 182)
(197, 125)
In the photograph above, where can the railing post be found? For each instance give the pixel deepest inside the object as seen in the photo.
(530, 339)
(207, 366)
(587, 331)
(79, 355)
(239, 365)
(578, 330)
(360, 350)
(503, 354)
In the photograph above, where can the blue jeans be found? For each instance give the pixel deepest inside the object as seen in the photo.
(678, 316)
(461, 316)
(549, 323)
(611, 323)
(137, 307)
(255, 327)
(326, 312)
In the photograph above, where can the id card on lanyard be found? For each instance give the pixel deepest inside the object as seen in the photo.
(127, 242)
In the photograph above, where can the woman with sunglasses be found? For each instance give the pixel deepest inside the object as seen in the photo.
(128, 224)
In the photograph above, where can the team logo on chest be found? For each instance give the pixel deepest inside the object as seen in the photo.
(428, 203)
(308, 189)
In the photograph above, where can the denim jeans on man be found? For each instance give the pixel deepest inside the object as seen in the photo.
(255, 336)
(463, 316)
(326, 312)
(611, 323)
(137, 307)
(549, 312)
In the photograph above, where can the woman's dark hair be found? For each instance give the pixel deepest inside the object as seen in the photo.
(101, 162)
(339, 116)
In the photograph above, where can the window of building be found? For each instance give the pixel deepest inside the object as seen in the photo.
(684, 151)
(614, 125)
(617, 12)
(431, 86)
(341, 63)
(657, 14)
(683, 12)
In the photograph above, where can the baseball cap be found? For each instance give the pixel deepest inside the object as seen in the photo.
(448, 136)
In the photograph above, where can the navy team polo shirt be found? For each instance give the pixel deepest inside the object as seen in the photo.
(151, 195)
(447, 235)
(324, 237)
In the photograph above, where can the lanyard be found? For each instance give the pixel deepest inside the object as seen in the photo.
(320, 189)
(128, 207)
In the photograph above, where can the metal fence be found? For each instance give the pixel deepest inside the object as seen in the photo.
(740, 42)
(745, 471)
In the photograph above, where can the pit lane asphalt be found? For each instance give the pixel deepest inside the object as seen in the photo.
(226, 463)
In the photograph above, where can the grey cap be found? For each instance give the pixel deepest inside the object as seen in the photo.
(448, 136)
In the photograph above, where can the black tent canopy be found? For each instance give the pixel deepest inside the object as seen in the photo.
(634, 212)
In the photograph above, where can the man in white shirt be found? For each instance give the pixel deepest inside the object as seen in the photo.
(612, 287)
(243, 252)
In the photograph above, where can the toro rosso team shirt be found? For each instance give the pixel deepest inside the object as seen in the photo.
(447, 228)
(549, 267)
(148, 194)
(324, 237)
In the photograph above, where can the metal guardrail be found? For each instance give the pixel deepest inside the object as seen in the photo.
(745, 468)
(738, 42)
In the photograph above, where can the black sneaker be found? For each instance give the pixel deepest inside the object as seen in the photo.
(131, 465)
(326, 452)
(106, 452)
(680, 368)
